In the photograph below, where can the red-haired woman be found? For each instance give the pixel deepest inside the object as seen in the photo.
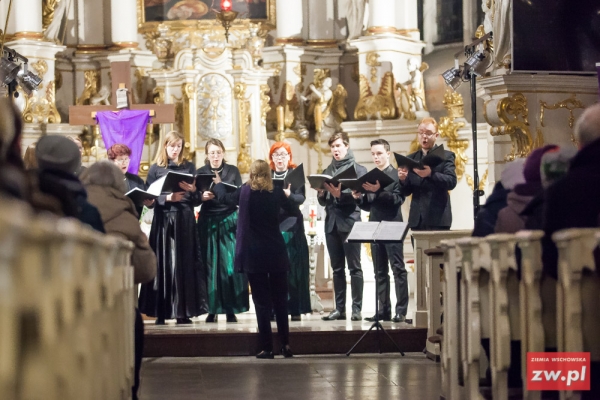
(291, 224)
(120, 155)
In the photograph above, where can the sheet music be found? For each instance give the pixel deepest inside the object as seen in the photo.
(363, 232)
(391, 231)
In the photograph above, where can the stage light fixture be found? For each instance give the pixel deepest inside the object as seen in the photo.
(28, 81)
(8, 71)
(476, 63)
(453, 76)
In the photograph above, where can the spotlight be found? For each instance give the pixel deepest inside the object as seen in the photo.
(8, 71)
(453, 76)
(475, 63)
(28, 81)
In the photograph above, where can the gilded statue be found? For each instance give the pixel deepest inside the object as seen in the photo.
(53, 15)
(331, 103)
(411, 95)
(376, 106)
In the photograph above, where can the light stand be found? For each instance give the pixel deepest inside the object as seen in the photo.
(477, 53)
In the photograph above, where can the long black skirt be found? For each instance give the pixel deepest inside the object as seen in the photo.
(179, 289)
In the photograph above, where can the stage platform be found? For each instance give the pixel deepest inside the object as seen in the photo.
(309, 336)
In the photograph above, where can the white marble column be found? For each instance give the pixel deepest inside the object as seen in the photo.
(407, 19)
(27, 19)
(321, 23)
(289, 21)
(11, 22)
(123, 23)
(382, 16)
(430, 33)
(90, 26)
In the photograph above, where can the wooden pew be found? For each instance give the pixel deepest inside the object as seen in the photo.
(578, 314)
(450, 351)
(530, 295)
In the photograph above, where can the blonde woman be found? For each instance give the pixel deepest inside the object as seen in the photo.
(260, 252)
(179, 289)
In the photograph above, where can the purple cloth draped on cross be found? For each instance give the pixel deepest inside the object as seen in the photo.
(127, 127)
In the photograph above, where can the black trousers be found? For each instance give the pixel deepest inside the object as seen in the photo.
(138, 353)
(383, 256)
(341, 251)
(270, 292)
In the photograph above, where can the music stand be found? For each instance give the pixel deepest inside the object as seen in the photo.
(377, 233)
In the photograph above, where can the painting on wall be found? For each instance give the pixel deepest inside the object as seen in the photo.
(193, 10)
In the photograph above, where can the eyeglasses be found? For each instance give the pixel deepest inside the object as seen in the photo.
(427, 134)
(280, 156)
(215, 153)
(122, 161)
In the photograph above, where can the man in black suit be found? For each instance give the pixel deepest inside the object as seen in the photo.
(430, 205)
(342, 212)
(384, 203)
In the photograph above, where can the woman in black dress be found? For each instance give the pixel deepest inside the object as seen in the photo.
(179, 289)
(227, 291)
(120, 155)
(260, 252)
(291, 224)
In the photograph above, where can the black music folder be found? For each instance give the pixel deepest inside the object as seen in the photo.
(434, 158)
(138, 196)
(295, 178)
(170, 183)
(372, 177)
(204, 182)
(317, 181)
(378, 232)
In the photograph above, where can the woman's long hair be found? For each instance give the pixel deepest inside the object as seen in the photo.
(276, 146)
(260, 176)
(162, 158)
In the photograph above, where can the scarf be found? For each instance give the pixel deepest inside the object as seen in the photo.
(343, 164)
(243, 228)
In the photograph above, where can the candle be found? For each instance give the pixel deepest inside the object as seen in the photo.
(280, 119)
(226, 5)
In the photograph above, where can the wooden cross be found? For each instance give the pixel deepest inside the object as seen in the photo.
(121, 78)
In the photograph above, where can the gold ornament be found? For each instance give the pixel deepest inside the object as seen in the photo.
(372, 61)
(379, 106)
(513, 112)
(91, 85)
(244, 160)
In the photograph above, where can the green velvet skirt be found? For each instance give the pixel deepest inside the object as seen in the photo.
(298, 277)
(227, 289)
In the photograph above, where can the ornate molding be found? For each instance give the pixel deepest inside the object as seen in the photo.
(513, 113)
(158, 95)
(42, 110)
(482, 181)
(264, 103)
(48, 7)
(379, 106)
(40, 67)
(569, 104)
(373, 62)
(448, 128)
(244, 159)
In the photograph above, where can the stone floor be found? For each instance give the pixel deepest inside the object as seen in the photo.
(361, 376)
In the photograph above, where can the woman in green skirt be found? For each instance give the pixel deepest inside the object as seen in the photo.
(227, 290)
(291, 224)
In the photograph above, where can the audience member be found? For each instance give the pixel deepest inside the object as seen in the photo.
(79, 143)
(58, 159)
(511, 175)
(105, 186)
(510, 219)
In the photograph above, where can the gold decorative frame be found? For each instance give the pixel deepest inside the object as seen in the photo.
(178, 25)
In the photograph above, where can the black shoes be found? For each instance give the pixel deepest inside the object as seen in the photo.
(212, 318)
(183, 321)
(159, 321)
(231, 318)
(335, 314)
(356, 316)
(379, 318)
(286, 352)
(265, 354)
(399, 318)
(296, 318)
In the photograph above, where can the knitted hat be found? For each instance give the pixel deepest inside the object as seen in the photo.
(512, 174)
(531, 170)
(555, 164)
(58, 152)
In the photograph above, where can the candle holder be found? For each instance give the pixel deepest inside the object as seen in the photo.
(226, 16)
(315, 300)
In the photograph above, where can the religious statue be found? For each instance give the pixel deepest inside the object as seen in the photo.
(323, 107)
(100, 97)
(411, 96)
(255, 44)
(54, 11)
(355, 17)
(498, 20)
